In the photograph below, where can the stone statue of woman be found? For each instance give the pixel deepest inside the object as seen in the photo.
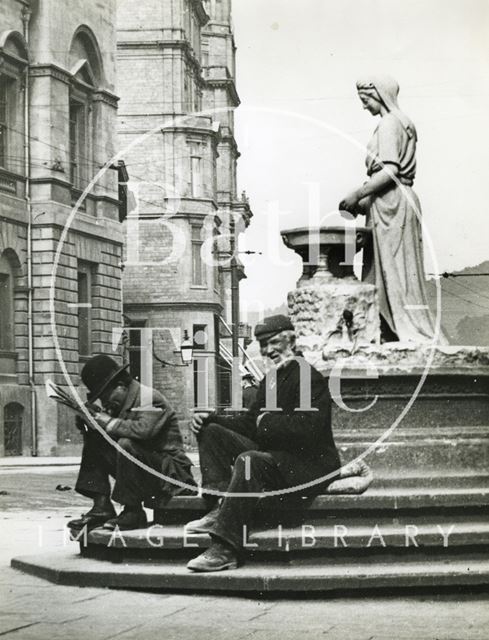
(394, 260)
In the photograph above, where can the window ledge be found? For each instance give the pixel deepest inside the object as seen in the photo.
(12, 355)
(8, 181)
(199, 286)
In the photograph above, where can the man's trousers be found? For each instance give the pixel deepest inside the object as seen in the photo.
(101, 459)
(231, 463)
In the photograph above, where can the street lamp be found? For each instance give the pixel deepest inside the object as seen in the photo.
(186, 349)
(186, 353)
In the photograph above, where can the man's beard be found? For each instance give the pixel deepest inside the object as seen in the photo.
(285, 357)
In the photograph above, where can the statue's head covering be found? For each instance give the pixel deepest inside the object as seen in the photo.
(387, 89)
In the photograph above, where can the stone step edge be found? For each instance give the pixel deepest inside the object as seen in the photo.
(68, 569)
(381, 500)
(282, 539)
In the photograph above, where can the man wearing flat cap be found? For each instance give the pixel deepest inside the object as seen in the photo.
(289, 445)
(148, 434)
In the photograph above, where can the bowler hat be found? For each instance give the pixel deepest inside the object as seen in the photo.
(271, 326)
(98, 373)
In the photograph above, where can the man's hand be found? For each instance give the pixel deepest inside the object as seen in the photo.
(198, 421)
(103, 419)
(80, 423)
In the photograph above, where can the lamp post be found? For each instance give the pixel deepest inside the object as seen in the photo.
(235, 298)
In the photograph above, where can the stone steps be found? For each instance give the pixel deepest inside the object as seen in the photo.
(338, 535)
(434, 433)
(376, 502)
(429, 480)
(342, 543)
(375, 498)
(67, 568)
(431, 454)
(421, 480)
(380, 517)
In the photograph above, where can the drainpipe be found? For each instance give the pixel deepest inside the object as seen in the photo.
(26, 16)
(234, 293)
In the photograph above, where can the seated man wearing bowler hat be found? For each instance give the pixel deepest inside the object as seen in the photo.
(148, 434)
(289, 445)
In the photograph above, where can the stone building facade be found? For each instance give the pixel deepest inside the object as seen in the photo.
(176, 70)
(57, 128)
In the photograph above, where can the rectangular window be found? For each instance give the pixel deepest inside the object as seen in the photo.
(78, 143)
(205, 55)
(196, 176)
(198, 266)
(6, 313)
(201, 382)
(85, 277)
(219, 10)
(186, 92)
(135, 348)
(3, 121)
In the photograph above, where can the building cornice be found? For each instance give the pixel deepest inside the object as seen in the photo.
(105, 96)
(230, 140)
(14, 220)
(181, 43)
(52, 180)
(196, 216)
(243, 208)
(108, 233)
(229, 86)
(202, 129)
(181, 305)
(94, 197)
(39, 70)
(219, 76)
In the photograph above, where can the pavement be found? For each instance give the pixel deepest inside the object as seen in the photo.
(33, 517)
(38, 461)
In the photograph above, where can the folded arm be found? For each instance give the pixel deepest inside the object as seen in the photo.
(297, 430)
(144, 424)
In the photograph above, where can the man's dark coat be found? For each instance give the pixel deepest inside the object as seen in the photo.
(156, 429)
(300, 441)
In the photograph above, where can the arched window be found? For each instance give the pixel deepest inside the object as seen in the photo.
(7, 337)
(13, 420)
(13, 60)
(86, 70)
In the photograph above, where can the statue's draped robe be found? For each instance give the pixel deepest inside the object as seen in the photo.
(396, 267)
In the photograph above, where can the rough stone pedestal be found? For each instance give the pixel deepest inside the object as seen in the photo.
(330, 305)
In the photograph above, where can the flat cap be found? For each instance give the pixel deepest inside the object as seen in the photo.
(271, 326)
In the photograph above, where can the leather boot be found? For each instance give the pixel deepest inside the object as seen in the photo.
(217, 557)
(130, 518)
(92, 519)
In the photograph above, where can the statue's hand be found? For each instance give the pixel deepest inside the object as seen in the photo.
(363, 205)
(350, 203)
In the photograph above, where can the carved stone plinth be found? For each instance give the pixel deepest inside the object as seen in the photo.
(330, 306)
(334, 313)
(395, 358)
